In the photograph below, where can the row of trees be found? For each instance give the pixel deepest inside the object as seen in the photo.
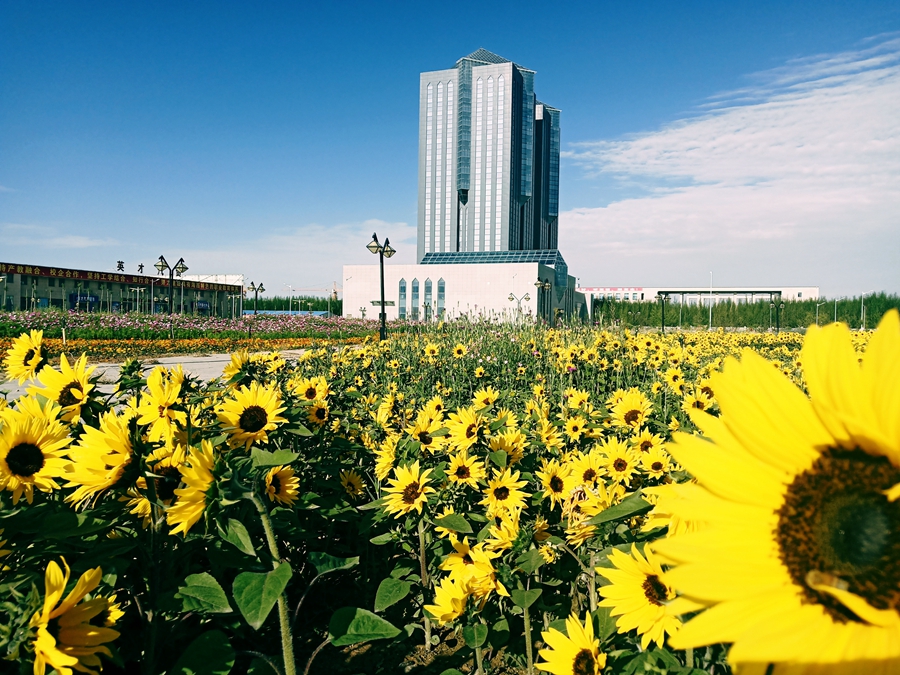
(301, 303)
(760, 315)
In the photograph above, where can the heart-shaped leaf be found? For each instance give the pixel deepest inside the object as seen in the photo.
(263, 458)
(209, 654)
(390, 591)
(455, 522)
(256, 593)
(350, 625)
(525, 599)
(325, 563)
(237, 535)
(202, 593)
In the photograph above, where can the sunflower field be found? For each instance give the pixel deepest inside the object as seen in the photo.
(461, 498)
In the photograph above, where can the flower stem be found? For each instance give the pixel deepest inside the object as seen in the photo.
(423, 569)
(287, 640)
(529, 655)
(479, 661)
(592, 585)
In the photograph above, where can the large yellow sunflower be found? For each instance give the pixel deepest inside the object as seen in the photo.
(466, 470)
(281, 485)
(575, 653)
(554, 477)
(639, 597)
(72, 633)
(424, 432)
(157, 406)
(466, 427)
(32, 453)
(25, 359)
(449, 601)
(384, 457)
(99, 459)
(250, 413)
(191, 500)
(69, 386)
(504, 491)
(408, 490)
(799, 555)
(632, 410)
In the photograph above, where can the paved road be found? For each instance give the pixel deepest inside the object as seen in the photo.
(203, 367)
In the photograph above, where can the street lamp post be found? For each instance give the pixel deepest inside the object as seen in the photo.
(179, 268)
(862, 309)
(256, 290)
(818, 304)
(518, 301)
(383, 252)
(543, 287)
(291, 301)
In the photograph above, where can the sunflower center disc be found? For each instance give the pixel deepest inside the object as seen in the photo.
(556, 484)
(28, 356)
(837, 521)
(632, 416)
(425, 438)
(589, 476)
(276, 484)
(25, 459)
(411, 493)
(165, 486)
(584, 663)
(253, 419)
(620, 465)
(310, 393)
(501, 493)
(462, 472)
(66, 397)
(655, 590)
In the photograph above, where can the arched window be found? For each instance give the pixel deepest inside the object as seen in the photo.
(414, 304)
(401, 302)
(428, 305)
(441, 298)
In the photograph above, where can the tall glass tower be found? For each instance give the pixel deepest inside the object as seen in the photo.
(488, 159)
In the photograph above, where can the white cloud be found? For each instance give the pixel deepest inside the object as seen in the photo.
(307, 257)
(3, 188)
(794, 179)
(41, 236)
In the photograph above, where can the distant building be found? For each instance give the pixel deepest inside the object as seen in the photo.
(699, 295)
(32, 287)
(488, 159)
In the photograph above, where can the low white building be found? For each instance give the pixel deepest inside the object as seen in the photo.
(500, 285)
(699, 295)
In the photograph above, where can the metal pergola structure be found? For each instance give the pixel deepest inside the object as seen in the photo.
(663, 297)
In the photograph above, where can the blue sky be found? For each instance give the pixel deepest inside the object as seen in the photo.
(271, 139)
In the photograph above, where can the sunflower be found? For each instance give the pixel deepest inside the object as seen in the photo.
(32, 453)
(512, 443)
(442, 531)
(579, 531)
(25, 359)
(619, 460)
(585, 469)
(408, 490)
(645, 441)
(549, 435)
(504, 531)
(72, 633)
(351, 481)
(69, 386)
(466, 427)
(575, 427)
(318, 413)
(554, 477)
(460, 350)
(249, 413)
(282, 485)
(311, 388)
(639, 597)
(449, 601)
(632, 410)
(696, 400)
(575, 652)
(384, 457)
(799, 557)
(465, 470)
(157, 406)
(656, 462)
(100, 458)
(434, 408)
(239, 360)
(484, 398)
(424, 431)
(471, 567)
(479, 372)
(674, 378)
(431, 350)
(198, 477)
(504, 491)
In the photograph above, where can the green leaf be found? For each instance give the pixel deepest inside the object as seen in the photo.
(325, 563)
(350, 625)
(382, 539)
(377, 504)
(475, 635)
(525, 599)
(493, 426)
(452, 671)
(633, 505)
(529, 561)
(499, 458)
(209, 654)
(390, 591)
(256, 593)
(298, 429)
(437, 433)
(500, 633)
(263, 458)
(455, 522)
(202, 593)
(238, 536)
(604, 623)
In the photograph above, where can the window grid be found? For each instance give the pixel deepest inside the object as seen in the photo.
(414, 305)
(448, 174)
(428, 140)
(438, 167)
(498, 219)
(479, 88)
(488, 166)
(401, 301)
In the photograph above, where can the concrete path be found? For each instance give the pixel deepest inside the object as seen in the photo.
(204, 367)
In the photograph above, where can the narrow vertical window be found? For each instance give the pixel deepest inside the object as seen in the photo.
(488, 165)
(401, 300)
(441, 293)
(428, 306)
(498, 194)
(479, 122)
(438, 236)
(414, 304)
(429, 133)
(448, 173)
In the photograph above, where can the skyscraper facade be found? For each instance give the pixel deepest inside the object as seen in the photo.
(488, 160)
